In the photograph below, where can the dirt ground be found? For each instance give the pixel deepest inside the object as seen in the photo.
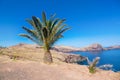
(30, 66)
(31, 70)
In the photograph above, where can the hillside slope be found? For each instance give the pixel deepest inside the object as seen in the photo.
(31, 67)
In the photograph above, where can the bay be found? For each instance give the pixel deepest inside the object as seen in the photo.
(106, 57)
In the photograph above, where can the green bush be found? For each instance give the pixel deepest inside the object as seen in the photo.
(92, 65)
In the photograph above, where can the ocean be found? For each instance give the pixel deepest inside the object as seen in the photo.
(111, 57)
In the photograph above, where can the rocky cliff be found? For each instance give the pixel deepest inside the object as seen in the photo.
(94, 48)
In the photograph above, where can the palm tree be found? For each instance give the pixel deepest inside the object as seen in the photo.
(45, 33)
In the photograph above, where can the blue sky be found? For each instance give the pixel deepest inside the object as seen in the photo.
(92, 21)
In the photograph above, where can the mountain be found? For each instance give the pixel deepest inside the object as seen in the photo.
(94, 48)
(91, 48)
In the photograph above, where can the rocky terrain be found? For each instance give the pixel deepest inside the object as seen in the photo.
(29, 51)
(67, 49)
(25, 62)
(91, 48)
(112, 47)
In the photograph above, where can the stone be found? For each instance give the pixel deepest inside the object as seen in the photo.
(74, 59)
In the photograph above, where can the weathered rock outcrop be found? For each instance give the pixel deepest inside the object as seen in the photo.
(94, 48)
(74, 59)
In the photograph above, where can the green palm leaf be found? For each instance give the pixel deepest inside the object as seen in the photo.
(44, 18)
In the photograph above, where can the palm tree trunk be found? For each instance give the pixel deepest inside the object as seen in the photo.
(48, 57)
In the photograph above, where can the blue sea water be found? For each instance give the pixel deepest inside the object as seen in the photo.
(106, 57)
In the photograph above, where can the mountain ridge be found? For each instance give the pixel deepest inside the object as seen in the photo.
(96, 47)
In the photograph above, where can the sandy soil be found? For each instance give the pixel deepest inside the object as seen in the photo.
(30, 66)
(31, 70)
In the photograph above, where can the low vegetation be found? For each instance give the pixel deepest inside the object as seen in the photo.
(92, 65)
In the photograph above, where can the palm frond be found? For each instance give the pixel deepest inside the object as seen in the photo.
(38, 26)
(57, 36)
(65, 29)
(53, 24)
(45, 32)
(44, 18)
(50, 21)
(27, 36)
(29, 31)
(32, 39)
(30, 22)
(37, 23)
(60, 22)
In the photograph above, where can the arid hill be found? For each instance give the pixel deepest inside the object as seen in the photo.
(91, 48)
(24, 62)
